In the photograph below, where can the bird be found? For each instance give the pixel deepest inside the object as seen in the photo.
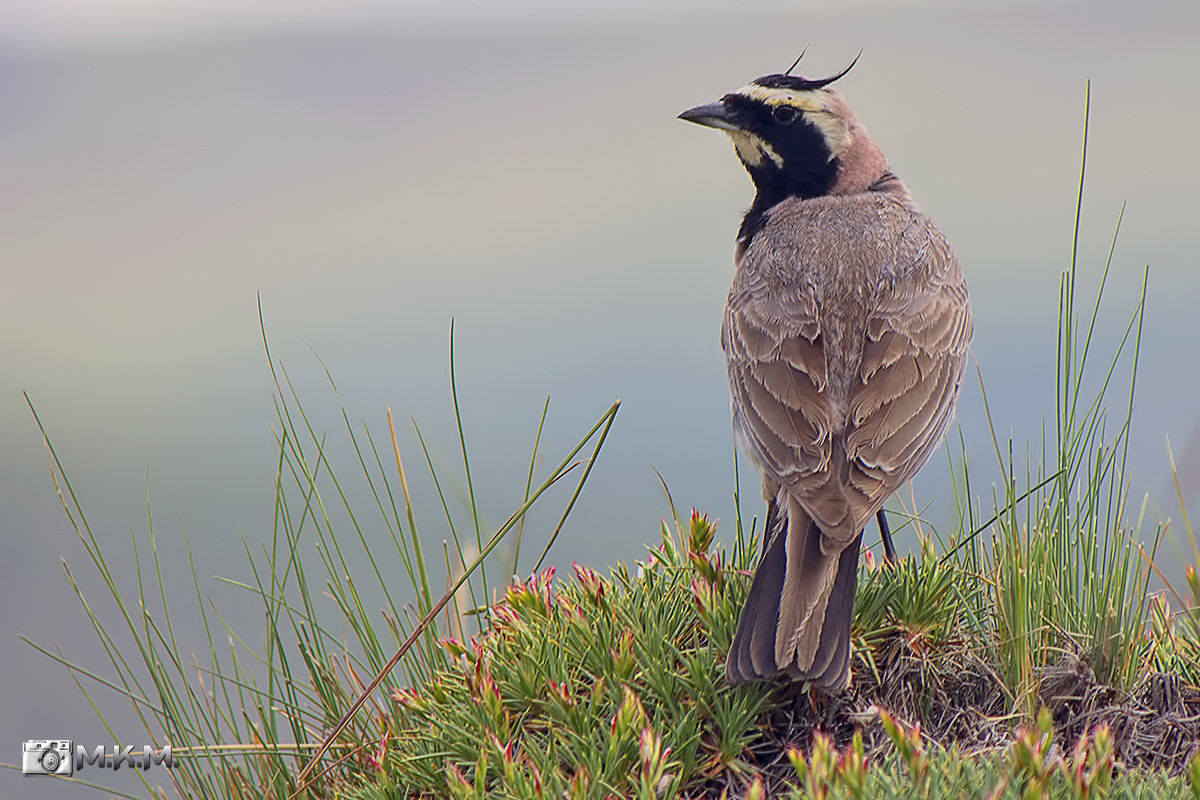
(846, 334)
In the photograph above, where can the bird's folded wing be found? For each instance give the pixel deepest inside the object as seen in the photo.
(782, 409)
(908, 382)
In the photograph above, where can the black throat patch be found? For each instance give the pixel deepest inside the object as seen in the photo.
(808, 169)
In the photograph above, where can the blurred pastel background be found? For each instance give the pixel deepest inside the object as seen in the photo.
(372, 169)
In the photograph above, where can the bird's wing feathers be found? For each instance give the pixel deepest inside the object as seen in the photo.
(780, 383)
(908, 382)
(845, 334)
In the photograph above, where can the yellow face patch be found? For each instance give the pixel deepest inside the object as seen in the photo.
(751, 148)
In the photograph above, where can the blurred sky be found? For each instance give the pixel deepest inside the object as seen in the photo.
(371, 170)
(74, 24)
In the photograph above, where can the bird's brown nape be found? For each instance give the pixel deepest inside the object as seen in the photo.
(863, 163)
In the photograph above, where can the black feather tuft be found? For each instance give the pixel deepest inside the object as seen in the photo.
(789, 81)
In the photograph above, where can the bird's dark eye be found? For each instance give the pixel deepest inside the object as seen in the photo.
(784, 114)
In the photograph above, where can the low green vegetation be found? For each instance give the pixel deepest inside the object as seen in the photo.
(611, 686)
(1020, 653)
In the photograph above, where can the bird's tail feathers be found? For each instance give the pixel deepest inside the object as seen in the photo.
(796, 619)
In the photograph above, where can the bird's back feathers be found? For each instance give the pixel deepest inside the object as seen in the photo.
(845, 334)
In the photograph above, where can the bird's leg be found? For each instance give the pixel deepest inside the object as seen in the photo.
(889, 549)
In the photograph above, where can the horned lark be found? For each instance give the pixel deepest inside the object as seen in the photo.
(846, 334)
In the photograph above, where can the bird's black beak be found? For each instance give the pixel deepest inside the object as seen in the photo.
(712, 115)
